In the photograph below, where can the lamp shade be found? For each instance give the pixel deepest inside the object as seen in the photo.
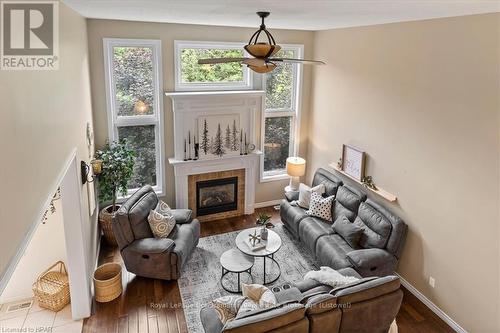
(295, 166)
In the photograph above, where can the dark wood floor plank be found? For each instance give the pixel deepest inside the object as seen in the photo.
(148, 305)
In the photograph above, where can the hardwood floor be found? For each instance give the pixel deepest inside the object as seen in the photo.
(155, 306)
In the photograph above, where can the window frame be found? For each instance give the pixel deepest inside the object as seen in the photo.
(179, 45)
(156, 119)
(294, 112)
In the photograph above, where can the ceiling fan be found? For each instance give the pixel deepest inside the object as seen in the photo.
(263, 52)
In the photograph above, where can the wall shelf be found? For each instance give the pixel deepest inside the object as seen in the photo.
(379, 191)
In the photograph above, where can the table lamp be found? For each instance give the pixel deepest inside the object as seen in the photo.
(295, 167)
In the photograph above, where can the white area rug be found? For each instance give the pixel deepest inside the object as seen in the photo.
(200, 279)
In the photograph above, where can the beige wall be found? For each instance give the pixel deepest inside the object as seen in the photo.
(42, 119)
(99, 29)
(421, 98)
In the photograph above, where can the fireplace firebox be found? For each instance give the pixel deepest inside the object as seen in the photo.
(216, 196)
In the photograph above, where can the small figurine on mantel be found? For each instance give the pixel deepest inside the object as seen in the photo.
(241, 142)
(339, 164)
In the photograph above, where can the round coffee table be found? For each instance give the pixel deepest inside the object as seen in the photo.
(234, 261)
(273, 245)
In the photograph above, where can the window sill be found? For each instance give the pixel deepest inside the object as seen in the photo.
(276, 177)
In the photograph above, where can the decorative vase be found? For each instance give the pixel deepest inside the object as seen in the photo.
(263, 233)
(106, 221)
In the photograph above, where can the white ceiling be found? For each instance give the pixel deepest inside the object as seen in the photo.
(286, 14)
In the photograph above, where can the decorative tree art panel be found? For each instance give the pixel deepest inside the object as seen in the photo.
(219, 135)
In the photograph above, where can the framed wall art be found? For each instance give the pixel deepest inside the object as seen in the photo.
(353, 162)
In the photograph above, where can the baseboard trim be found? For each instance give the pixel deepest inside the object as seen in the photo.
(433, 307)
(267, 203)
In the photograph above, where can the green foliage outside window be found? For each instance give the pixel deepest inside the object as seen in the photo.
(279, 83)
(192, 72)
(133, 76)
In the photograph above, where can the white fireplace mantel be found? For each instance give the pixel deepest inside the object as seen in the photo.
(183, 169)
(187, 107)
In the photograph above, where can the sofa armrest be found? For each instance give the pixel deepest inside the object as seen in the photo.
(210, 320)
(152, 245)
(372, 262)
(182, 216)
(292, 196)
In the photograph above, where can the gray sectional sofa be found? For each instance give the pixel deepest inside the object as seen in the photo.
(381, 242)
(368, 305)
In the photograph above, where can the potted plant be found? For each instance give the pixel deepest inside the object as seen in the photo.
(118, 166)
(264, 221)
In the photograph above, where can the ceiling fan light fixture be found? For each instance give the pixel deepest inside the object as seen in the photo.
(263, 69)
(262, 50)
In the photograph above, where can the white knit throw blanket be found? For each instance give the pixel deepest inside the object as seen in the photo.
(330, 277)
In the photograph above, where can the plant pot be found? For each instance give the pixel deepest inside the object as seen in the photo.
(108, 282)
(106, 221)
(263, 233)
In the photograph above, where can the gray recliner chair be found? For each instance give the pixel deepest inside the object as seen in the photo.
(142, 253)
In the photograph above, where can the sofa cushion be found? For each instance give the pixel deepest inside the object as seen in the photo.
(331, 251)
(321, 207)
(348, 231)
(291, 195)
(138, 215)
(311, 229)
(305, 194)
(370, 288)
(347, 202)
(376, 227)
(151, 245)
(331, 182)
(291, 216)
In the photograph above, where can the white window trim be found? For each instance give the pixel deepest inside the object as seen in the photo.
(180, 86)
(295, 112)
(157, 119)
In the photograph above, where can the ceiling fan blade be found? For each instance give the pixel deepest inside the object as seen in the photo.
(212, 61)
(257, 62)
(300, 61)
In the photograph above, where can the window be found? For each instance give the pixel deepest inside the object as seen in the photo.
(281, 113)
(133, 88)
(191, 76)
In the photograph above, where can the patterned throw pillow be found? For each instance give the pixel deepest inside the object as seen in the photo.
(227, 307)
(163, 208)
(305, 194)
(321, 207)
(161, 225)
(260, 294)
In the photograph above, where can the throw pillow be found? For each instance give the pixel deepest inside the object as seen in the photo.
(260, 294)
(161, 225)
(321, 207)
(163, 208)
(330, 277)
(227, 307)
(350, 232)
(305, 194)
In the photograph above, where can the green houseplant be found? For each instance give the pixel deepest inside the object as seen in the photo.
(264, 221)
(118, 166)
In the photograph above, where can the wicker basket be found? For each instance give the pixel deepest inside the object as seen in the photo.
(106, 221)
(108, 282)
(51, 289)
